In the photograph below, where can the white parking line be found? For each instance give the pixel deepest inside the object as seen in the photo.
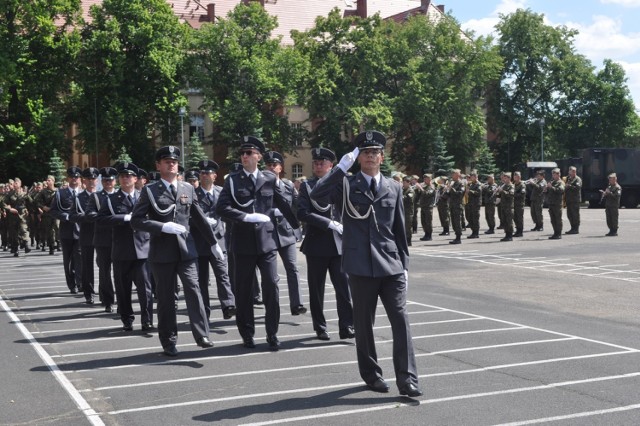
(574, 415)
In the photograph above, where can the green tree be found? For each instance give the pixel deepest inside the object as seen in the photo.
(37, 46)
(195, 152)
(485, 163)
(441, 163)
(56, 168)
(123, 156)
(245, 75)
(128, 81)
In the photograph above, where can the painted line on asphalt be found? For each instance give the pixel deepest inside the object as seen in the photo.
(574, 415)
(79, 400)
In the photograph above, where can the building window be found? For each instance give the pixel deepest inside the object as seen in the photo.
(296, 171)
(297, 134)
(196, 126)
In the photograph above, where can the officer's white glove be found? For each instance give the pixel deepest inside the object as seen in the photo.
(406, 277)
(335, 226)
(173, 228)
(256, 218)
(348, 159)
(65, 216)
(277, 213)
(127, 217)
(216, 250)
(212, 221)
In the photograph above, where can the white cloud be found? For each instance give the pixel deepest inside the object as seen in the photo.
(604, 38)
(625, 3)
(632, 71)
(486, 26)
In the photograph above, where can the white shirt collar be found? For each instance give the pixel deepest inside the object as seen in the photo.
(255, 173)
(368, 179)
(167, 183)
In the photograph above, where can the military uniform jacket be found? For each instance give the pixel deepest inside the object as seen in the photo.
(102, 232)
(158, 206)
(127, 243)
(519, 194)
(573, 190)
(428, 197)
(285, 234)
(87, 228)
(375, 244)
(240, 196)
(319, 240)
(408, 196)
(208, 207)
(487, 193)
(555, 192)
(506, 197)
(537, 190)
(443, 196)
(475, 194)
(62, 206)
(456, 192)
(613, 198)
(44, 199)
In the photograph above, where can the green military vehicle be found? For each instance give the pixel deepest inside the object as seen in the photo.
(598, 163)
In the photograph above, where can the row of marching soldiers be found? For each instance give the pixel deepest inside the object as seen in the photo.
(459, 198)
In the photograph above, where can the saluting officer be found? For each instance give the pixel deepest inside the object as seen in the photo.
(248, 199)
(375, 256)
(164, 210)
(63, 205)
(208, 194)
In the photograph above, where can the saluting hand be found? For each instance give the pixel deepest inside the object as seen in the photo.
(348, 159)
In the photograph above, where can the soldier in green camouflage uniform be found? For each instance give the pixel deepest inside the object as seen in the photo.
(47, 222)
(474, 203)
(519, 201)
(612, 196)
(488, 189)
(407, 199)
(17, 231)
(32, 216)
(506, 192)
(573, 198)
(427, 201)
(443, 205)
(417, 190)
(456, 192)
(537, 200)
(3, 218)
(555, 192)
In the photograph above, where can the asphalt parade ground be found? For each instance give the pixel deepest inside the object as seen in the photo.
(506, 333)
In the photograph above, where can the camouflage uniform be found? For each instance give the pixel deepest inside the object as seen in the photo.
(47, 222)
(443, 209)
(573, 198)
(474, 204)
(17, 231)
(427, 201)
(417, 190)
(456, 194)
(519, 200)
(537, 201)
(611, 205)
(489, 206)
(407, 199)
(554, 197)
(3, 220)
(506, 207)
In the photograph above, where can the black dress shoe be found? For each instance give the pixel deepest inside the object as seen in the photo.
(127, 327)
(411, 390)
(89, 301)
(73, 291)
(347, 333)
(323, 335)
(555, 237)
(443, 233)
(229, 312)
(379, 385)
(147, 326)
(108, 308)
(489, 231)
(258, 301)
(456, 241)
(274, 342)
(204, 342)
(299, 310)
(170, 351)
(248, 342)
(473, 236)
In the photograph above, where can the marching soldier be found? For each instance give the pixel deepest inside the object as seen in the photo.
(427, 202)
(417, 190)
(322, 246)
(519, 200)
(474, 203)
(47, 222)
(488, 189)
(62, 207)
(555, 191)
(3, 217)
(611, 197)
(408, 198)
(573, 198)
(506, 193)
(538, 185)
(16, 215)
(248, 200)
(456, 190)
(442, 201)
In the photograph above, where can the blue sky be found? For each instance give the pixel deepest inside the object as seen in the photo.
(608, 28)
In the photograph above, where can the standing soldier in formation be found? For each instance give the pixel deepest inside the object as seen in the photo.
(573, 198)
(442, 201)
(538, 185)
(63, 206)
(248, 199)
(456, 190)
(408, 198)
(47, 223)
(417, 191)
(33, 220)
(322, 246)
(474, 203)
(506, 192)
(464, 213)
(611, 197)
(519, 200)
(208, 194)
(285, 236)
(3, 217)
(16, 210)
(555, 191)
(427, 202)
(488, 189)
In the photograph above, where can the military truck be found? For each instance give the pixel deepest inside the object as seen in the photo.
(598, 163)
(528, 171)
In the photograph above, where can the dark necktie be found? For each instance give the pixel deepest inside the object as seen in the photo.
(210, 197)
(173, 190)
(131, 199)
(373, 187)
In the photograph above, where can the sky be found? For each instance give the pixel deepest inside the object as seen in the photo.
(608, 29)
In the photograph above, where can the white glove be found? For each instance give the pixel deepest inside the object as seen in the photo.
(256, 218)
(127, 217)
(277, 213)
(335, 226)
(65, 216)
(348, 159)
(173, 228)
(406, 277)
(216, 250)
(212, 221)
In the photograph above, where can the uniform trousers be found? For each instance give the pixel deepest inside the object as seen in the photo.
(536, 213)
(105, 283)
(88, 278)
(555, 214)
(72, 262)
(225, 294)
(518, 216)
(573, 214)
(490, 214)
(317, 268)
(165, 277)
(245, 265)
(288, 255)
(426, 219)
(474, 218)
(126, 272)
(392, 292)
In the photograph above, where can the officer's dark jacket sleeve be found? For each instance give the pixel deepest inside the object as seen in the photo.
(306, 211)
